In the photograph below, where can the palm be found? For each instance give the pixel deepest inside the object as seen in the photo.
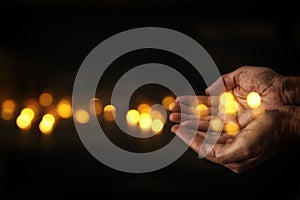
(264, 81)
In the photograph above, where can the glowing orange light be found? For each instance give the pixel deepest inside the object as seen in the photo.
(202, 109)
(253, 100)
(8, 109)
(64, 109)
(25, 118)
(95, 106)
(229, 108)
(82, 116)
(33, 105)
(108, 112)
(46, 99)
(157, 125)
(145, 121)
(143, 108)
(226, 98)
(216, 124)
(231, 128)
(47, 123)
(132, 117)
(167, 101)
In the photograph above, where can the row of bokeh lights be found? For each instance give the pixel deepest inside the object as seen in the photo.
(43, 111)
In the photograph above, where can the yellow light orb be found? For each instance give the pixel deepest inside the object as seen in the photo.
(231, 128)
(82, 116)
(64, 109)
(226, 98)
(95, 106)
(216, 124)
(27, 113)
(49, 118)
(132, 117)
(202, 110)
(229, 107)
(46, 99)
(157, 125)
(145, 121)
(23, 122)
(253, 99)
(108, 112)
(167, 101)
(47, 123)
(143, 108)
(9, 106)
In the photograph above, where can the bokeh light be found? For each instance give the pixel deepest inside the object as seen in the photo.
(167, 101)
(108, 112)
(46, 99)
(64, 109)
(33, 104)
(231, 128)
(95, 106)
(143, 108)
(202, 110)
(229, 108)
(24, 120)
(226, 98)
(8, 109)
(145, 121)
(47, 123)
(253, 99)
(132, 117)
(216, 124)
(157, 125)
(82, 116)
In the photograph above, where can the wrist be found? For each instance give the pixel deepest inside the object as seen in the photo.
(290, 92)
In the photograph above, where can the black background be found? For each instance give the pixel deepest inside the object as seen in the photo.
(43, 43)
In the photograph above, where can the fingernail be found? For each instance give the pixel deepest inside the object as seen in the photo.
(173, 129)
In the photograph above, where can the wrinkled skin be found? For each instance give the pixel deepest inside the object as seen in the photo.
(259, 137)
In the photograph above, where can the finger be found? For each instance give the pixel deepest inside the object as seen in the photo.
(241, 166)
(180, 117)
(195, 110)
(186, 135)
(200, 125)
(224, 83)
(209, 101)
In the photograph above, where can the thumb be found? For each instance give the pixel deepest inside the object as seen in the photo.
(223, 83)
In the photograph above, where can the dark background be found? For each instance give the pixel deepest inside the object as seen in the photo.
(43, 43)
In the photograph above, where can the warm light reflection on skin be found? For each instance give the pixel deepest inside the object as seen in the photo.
(216, 124)
(143, 108)
(132, 117)
(47, 123)
(226, 98)
(202, 110)
(95, 106)
(227, 104)
(64, 109)
(157, 125)
(145, 121)
(167, 101)
(25, 118)
(82, 116)
(7, 110)
(108, 112)
(253, 100)
(231, 128)
(46, 99)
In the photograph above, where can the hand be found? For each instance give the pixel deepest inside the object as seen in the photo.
(267, 83)
(261, 139)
